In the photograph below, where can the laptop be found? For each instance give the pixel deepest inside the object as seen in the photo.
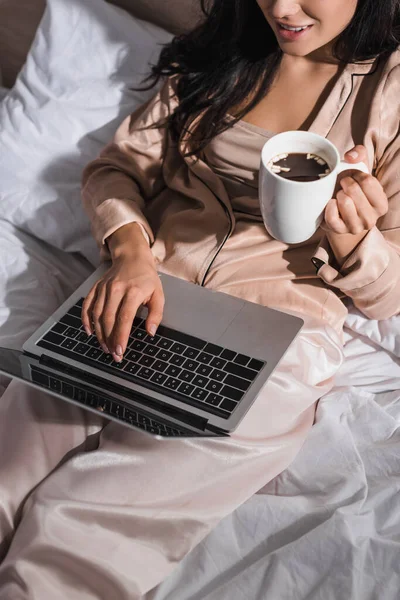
(197, 377)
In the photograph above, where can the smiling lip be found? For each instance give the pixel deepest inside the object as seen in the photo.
(291, 35)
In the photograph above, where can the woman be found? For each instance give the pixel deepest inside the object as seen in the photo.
(176, 191)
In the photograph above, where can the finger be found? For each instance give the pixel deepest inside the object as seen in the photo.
(124, 320)
(156, 309)
(332, 218)
(348, 213)
(86, 312)
(373, 191)
(97, 311)
(357, 154)
(365, 210)
(115, 292)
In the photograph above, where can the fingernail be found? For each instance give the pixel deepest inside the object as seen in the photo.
(105, 349)
(353, 154)
(118, 350)
(117, 358)
(88, 332)
(152, 330)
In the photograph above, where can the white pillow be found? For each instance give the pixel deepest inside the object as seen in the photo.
(68, 100)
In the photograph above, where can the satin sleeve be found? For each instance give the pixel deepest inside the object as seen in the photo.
(128, 172)
(371, 274)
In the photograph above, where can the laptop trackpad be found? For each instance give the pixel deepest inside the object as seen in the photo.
(196, 310)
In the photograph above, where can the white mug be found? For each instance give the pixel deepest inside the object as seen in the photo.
(293, 210)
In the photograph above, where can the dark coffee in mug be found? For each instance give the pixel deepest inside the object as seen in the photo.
(298, 166)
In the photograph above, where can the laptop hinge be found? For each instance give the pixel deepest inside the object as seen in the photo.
(200, 423)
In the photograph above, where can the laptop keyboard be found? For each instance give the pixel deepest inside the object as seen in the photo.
(105, 405)
(172, 363)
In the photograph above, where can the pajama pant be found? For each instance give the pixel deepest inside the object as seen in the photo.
(90, 509)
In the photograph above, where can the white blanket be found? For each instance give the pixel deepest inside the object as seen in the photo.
(328, 527)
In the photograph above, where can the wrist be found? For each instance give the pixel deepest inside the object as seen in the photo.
(128, 241)
(344, 244)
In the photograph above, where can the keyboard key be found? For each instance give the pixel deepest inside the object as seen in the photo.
(93, 341)
(79, 394)
(81, 348)
(76, 311)
(117, 410)
(94, 353)
(257, 365)
(137, 345)
(160, 365)
(55, 384)
(59, 328)
(68, 343)
(143, 419)
(240, 371)
(191, 353)
(106, 359)
(133, 355)
(228, 354)
(200, 381)
(218, 363)
(139, 334)
(186, 376)
(241, 359)
(164, 355)
(159, 378)
(165, 344)
(131, 368)
(151, 350)
(237, 382)
(232, 393)
(67, 389)
(177, 360)
(228, 405)
(186, 389)
(119, 365)
(152, 340)
(213, 386)
(204, 370)
(191, 365)
(71, 332)
(213, 349)
(214, 399)
(146, 361)
(82, 337)
(218, 375)
(173, 371)
(172, 383)
(199, 394)
(178, 348)
(72, 321)
(54, 338)
(79, 302)
(204, 358)
(145, 373)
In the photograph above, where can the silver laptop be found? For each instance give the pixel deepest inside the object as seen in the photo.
(198, 376)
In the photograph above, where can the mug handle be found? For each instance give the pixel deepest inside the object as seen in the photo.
(345, 166)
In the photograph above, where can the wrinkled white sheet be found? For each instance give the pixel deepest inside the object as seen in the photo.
(329, 526)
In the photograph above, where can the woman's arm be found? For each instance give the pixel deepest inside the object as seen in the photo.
(128, 172)
(366, 265)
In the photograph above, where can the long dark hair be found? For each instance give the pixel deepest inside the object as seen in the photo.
(230, 60)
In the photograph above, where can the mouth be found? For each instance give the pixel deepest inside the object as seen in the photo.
(292, 32)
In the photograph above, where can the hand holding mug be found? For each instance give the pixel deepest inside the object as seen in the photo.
(293, 208)
(360, 200)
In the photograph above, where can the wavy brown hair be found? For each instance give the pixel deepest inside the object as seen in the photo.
(230, 60)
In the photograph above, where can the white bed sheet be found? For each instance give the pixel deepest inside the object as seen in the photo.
(329, 526)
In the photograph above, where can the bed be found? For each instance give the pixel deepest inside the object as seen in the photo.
(329, 526)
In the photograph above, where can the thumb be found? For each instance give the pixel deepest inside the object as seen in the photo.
(357, 154)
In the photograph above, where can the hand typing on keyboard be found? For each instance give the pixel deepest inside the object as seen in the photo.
(111, 305)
